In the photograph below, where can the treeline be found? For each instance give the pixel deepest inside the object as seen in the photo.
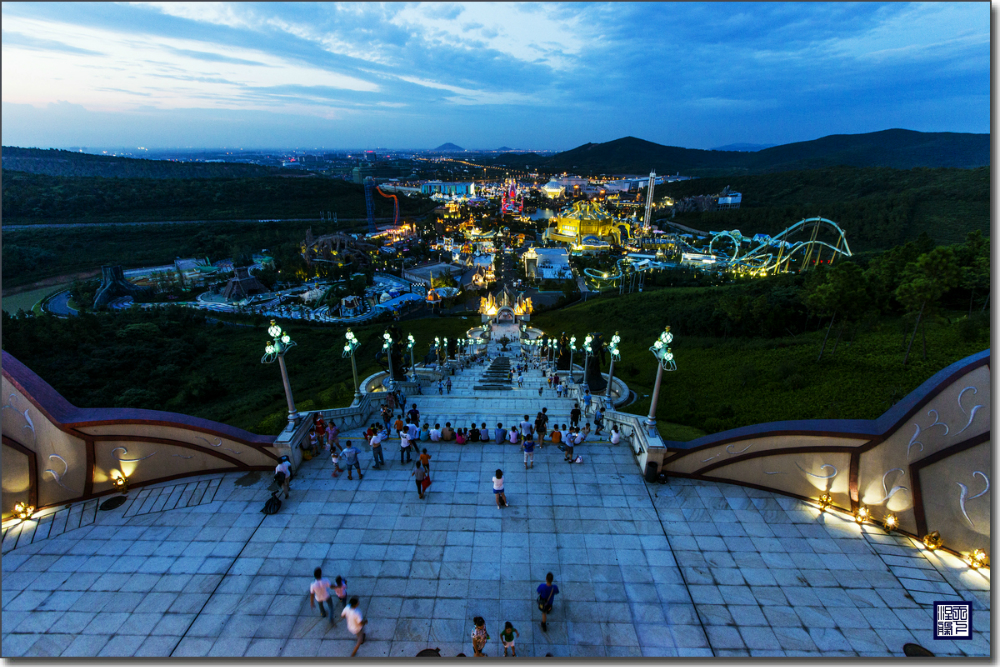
(54, 162)
(31, 198)
(877, 207)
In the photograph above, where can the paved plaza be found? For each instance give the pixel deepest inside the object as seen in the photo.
(688, 568)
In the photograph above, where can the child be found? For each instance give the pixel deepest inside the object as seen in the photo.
(313, 442)
(498, 493)
(340, 588)
(507, 638)
(479, 636)
(529, 453)
(335, 457)
(425, 460)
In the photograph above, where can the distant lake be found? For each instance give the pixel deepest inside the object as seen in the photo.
(543, 214)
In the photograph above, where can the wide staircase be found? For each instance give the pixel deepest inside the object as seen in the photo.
(496, 377)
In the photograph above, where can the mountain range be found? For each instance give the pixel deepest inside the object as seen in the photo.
(899, 149)
(449, 148)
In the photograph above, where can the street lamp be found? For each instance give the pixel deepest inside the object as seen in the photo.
(352, 344)
(276, 349)
(589, 352)
(615, 356)
(665, 359)
(387, 347)
(409, 346)
(437, 348)
(572, 349)
(446, 348)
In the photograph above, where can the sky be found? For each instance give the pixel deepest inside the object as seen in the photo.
(535, 76)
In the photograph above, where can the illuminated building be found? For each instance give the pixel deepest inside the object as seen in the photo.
(507, 308)
(588, 227)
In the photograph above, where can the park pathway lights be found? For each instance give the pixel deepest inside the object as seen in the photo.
(588, 350)
(280, 344)
(615, 356)
(665, 358)
(352, 344)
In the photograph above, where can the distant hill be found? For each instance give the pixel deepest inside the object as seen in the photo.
(746, 148)
(899, 149)
(449, 148)
(505, 148)
(68, 163)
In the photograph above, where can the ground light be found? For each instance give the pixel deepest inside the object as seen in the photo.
(862, 514)
(23, 511)
(932, 540)
(891, 522)
(977, 559)
(825, 501)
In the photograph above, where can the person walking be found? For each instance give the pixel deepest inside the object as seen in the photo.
(448, 385)
(540, 387)
(574, 415)
(527, 428)
(498, 491)
(404, 446)
(355, 623)
(333, 435)
(319, 591)
(587, 400)
(546, 592)
(507, 638)
(440, 387)
(479, 637)
(340, 588)
(599, 420)
(419, 474)
(350, 456)
(425, 460)
(539, 428)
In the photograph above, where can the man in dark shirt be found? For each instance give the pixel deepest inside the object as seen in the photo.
(574, 415)
(546, 593)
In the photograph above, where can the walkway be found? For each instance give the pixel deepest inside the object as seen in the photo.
(683, 569)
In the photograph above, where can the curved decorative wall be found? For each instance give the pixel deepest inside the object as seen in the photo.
(928, 460)
(56, 453)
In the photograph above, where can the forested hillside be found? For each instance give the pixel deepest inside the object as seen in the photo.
(67, 163)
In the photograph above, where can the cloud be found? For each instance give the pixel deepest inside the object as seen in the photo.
(16, 39)
(213, 57)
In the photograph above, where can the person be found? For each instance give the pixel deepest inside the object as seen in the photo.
(335, 457)
(425, 460)
(460, 437)
(599, 420)
(435, 433)
(512, 435)
(426, 434)
(447, 434)
(498, 492)
(586, 428)
(390, 400)
(526, 427)
(376, 443)
(350, 456)
(520, 381)
(319, 591)
(546, 592)
(386, 415)
(507, 637)
(545, 416)
(484, 435)
(399, 423)
(313, 442)
(529, 453)
(404, 446)
(414, 414)
(479, 637)
(413, 431)
(440, 387)
(283, 474)
(569, 443)
(539, 427)
(616, 437)
(501, 434)
(574, 415)
(559, 391)
(419, 473)
(540, 391)
(474, 433)
(448, 385)
(320, 425)
(587, 400)
(340, 588)
(549, 379)
(355, 623)
(333, 435)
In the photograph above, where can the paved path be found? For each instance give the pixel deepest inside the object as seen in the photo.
(688, 568)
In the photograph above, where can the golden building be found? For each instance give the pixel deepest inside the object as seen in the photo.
(587, 225)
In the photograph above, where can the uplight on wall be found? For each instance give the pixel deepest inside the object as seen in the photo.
(119, 481)
(932, 540)
(862, 514)
(977, 559)
(891, 522)
(23, 511)
(825, 501)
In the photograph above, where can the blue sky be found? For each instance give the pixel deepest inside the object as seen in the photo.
(481, 75)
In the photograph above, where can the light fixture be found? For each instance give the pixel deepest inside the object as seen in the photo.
(932, 540)
(977, 559)
(120, 483)
(825, 501)
(891, 522)
(23, 511)
(862, 514)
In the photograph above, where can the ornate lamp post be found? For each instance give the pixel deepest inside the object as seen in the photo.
(276, 349)
(572, 349)
(551, 351)
(613, 349)
(446, 348)
(387, 346)
(437, 348)
(352, 344)
(409, 346)
(588, 352)
(665, 359)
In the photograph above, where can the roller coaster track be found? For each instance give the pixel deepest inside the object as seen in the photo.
(395, 201)
(775, 253)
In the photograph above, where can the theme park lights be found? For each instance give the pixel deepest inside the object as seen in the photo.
(932, 540)
(23, 511)
(387, 347)
(349, 347)
(825, 501)
(276, 349)
(665, 358)
(862, 514)
(589, 352)
(615, 356)
(891, 522)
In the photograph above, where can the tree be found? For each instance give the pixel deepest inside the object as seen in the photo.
(842, 290)
(924, 282)
(974, 258)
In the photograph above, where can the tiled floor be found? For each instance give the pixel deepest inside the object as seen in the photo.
(682, 569)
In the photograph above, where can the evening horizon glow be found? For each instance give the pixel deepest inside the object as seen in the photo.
(481, 75)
